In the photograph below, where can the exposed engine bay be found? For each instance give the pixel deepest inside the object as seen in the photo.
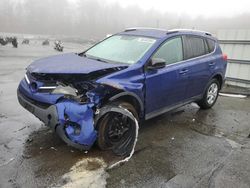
(72, 86)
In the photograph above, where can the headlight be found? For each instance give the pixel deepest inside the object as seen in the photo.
(27, 79)
(67, 90)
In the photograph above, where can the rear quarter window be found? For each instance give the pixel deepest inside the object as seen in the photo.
(211, 45)
(194, 47)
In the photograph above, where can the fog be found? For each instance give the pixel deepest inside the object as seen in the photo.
(96, 18)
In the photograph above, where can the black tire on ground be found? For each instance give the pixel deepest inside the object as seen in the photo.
(114, 118)
(210, 97)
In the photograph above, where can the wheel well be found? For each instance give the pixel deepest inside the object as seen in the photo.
(131, 100)
(219, 78)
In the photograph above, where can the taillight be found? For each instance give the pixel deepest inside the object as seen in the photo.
(224, 57)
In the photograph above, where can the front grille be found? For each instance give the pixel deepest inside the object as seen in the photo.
(50, 80)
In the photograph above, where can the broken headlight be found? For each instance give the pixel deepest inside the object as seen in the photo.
(66, 90)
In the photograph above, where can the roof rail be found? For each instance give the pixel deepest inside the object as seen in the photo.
(171, 32)
(207, 33)
(136, 28)
(130, 29)
(178, 30)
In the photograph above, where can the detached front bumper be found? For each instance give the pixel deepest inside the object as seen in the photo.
(73, 122)
(47, 114)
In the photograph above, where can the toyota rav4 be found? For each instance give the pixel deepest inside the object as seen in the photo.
(138, 73)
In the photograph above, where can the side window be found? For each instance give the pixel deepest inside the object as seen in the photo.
(211, 45)
(206, 46)
(194, 47)
(170, 51)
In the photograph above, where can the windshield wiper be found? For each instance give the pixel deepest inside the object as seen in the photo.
(83, 54)
(98, 59)
(95, 58)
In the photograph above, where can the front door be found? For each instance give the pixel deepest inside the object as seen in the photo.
(167, 86)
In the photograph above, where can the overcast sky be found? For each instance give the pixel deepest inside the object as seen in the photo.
(194, 8)
(96, 18)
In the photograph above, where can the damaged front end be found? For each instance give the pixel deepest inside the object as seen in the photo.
(66, 103)
(69, 93)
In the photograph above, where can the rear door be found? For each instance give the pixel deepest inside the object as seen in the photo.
(200, 63)
(167, 86)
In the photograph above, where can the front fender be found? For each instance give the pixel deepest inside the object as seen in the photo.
(127, 93)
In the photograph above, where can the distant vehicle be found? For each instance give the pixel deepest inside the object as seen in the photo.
(6, 40)
(13, 41)
(46, 42)
(146, 72)
(3, 41)
(58, 46)
(26, 41)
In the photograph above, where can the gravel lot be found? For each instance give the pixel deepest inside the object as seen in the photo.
(186, 147)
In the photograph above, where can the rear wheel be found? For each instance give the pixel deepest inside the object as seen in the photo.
(117, 128)
(211, 95)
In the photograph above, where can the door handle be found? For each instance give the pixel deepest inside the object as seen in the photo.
(211, 64)
(184, 71)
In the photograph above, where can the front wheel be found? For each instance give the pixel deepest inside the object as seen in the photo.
(211, 95)
(118, 128)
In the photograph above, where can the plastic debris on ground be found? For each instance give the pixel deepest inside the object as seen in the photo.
(134, 144)
(232, 95)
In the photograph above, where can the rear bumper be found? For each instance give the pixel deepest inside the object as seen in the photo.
(47, 115)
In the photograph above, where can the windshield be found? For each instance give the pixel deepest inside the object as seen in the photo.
(121, 49)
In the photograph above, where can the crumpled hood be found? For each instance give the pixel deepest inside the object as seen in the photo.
(69, 63)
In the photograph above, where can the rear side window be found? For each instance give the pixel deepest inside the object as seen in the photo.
(194, 47)
(170, 51)
(211, 45)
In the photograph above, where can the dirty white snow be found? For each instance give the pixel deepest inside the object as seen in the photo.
(233, 143)
(83, 175)
(219, 134)
(7, 162)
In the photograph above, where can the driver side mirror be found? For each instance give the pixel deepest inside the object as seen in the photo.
(156, 63)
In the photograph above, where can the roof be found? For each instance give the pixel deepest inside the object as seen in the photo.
(161, 33)
(147, 32)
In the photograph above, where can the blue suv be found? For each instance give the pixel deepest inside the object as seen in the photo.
(85, 97)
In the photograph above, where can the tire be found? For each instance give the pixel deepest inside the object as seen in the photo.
(211, 94)
(129, 107)
(121, 123)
